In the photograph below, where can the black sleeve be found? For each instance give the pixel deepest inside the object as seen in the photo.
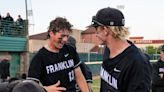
(74, 55)
(140, 76)
(86, 72)
(156, 80)
(76, 59)
(36, 69)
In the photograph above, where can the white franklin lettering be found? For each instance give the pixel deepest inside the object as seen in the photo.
(48, 70)
(112, 81)
(51, 68)
(60, 66)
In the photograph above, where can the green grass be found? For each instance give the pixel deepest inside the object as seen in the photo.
(96, 85)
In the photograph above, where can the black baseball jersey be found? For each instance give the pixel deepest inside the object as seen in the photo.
(130, 71)
(49, 67)
(86, 72)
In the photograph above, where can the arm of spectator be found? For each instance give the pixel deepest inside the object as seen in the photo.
(161, 75)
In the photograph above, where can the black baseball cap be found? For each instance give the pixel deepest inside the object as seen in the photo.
(108, 17)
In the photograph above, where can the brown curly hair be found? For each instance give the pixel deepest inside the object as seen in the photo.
(58, 24)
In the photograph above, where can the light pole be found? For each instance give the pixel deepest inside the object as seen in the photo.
(88, 53)
(25, 61)
(26, 9)
(26, 23)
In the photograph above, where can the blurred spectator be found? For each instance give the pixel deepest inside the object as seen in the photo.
(158, 73)
(8, 22)
(4, 87)
(0, 17)
(8, 18)
(19, 21)
(28, 86)
(24, 76)
(84, 68)
(4, 69)
(72, 41)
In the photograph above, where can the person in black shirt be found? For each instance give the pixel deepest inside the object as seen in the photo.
(4, 69)
(57, 62)
(0, 17)
(88, 76)
(158, 73)
(19, 21)
(125, 68)
(72, 42)
(8, 18)
(84, 68)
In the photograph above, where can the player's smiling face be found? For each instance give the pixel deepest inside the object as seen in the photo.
(58, 39)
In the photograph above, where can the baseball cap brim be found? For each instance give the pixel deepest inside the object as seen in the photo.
(95, 23)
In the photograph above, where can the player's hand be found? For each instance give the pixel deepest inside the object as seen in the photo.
(55, 88)
(161, 75)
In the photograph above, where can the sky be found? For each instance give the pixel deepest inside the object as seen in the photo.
(143, 17)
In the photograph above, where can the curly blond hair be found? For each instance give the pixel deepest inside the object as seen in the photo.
(119, 32)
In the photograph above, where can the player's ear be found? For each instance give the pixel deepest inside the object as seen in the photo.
(106, 31)
(51, 33)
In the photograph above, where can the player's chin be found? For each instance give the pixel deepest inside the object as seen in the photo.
(60, 45)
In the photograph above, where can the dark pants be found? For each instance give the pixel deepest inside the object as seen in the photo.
(157, 88)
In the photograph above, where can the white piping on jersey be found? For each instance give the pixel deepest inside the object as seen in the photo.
(60, 66)
(89, 80)
(77, 65)
(108, 78)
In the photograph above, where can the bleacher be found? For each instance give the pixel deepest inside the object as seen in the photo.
(12, 29)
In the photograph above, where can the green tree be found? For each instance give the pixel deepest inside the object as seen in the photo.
(152, 50)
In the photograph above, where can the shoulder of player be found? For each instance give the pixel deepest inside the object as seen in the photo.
(69, 48)
(40, 53)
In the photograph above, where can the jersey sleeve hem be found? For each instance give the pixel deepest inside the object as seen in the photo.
(77, 65)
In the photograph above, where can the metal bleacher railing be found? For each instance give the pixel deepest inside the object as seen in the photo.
(12, 29)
